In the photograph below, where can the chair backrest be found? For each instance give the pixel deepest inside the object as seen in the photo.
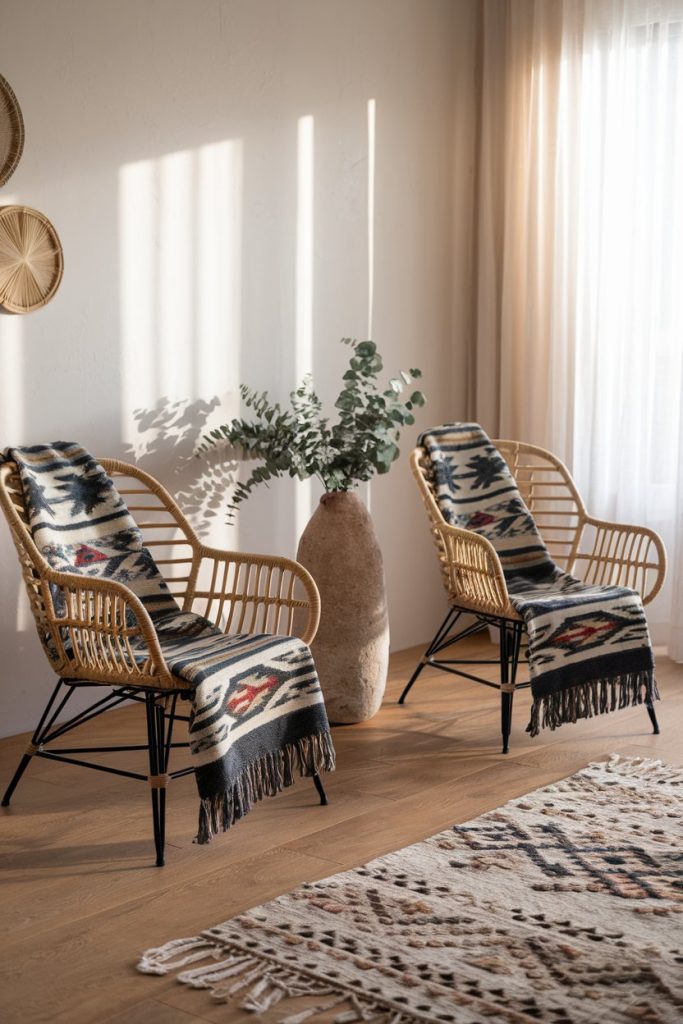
(546, 487)
(596, 552)
(31, 561)
(239, 593)
(551, 496)
(165, 531)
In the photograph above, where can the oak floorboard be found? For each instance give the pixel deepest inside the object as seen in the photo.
(152, 1012)
(81, 897)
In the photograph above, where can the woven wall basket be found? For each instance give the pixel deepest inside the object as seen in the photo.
(31, 260)
(11, 131)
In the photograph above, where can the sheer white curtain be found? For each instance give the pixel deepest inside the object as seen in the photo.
(580, 253)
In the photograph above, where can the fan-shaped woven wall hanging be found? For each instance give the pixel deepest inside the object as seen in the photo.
(31, 260)
(11, 131)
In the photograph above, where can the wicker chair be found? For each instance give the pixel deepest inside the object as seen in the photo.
(594, 550)
(89, 642)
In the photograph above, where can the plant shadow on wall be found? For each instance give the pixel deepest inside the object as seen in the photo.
(168, 436)
(339, 546)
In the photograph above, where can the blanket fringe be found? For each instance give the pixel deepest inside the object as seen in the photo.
(266, 776)
(597, 697)
(261, 983)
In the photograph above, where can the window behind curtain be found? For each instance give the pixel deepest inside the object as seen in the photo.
(619, 171)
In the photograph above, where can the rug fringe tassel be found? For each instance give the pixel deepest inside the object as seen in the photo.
(585, 700)
(262, 984)
(639, 767)
(163, 960)
(266, 776)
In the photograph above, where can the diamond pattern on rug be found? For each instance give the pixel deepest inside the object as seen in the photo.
(592, 864)
(561, 907)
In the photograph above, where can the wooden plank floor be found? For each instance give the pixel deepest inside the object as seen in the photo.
(81, 897)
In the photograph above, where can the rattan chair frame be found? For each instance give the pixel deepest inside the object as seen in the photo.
(595, 550)
(88, 633)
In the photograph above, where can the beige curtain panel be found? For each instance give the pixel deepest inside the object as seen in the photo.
(577, 340)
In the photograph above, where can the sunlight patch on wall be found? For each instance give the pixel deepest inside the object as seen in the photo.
(137, 275)
(372, 122)
(372, 116)
(219, 265)
(13, 420)
(304, 285)
(180, 224)
(175, 298)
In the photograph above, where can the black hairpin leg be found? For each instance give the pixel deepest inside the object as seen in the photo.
(159, 744)
(317, 781)
(653, 716)
(510, 641)
(439, 637)
(23, 765)
(46, 722)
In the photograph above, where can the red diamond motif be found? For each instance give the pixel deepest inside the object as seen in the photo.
(581, 632)
(480, 519)
(86, 556)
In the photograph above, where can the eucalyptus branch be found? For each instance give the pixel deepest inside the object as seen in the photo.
(301, 443)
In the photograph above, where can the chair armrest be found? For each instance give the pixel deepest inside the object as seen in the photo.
(248, 593)
(623, 555)
(92, 623)
(473, 573)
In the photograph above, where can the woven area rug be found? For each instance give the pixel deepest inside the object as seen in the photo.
(563, 906)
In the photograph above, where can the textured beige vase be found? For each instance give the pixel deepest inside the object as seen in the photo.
(351, 650)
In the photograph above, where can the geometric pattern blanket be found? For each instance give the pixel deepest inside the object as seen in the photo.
(589, 646)
(257, 708)
(562, 907)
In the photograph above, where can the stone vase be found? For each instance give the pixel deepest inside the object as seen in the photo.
(351, 649)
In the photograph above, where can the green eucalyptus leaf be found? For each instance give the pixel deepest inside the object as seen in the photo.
(301, 442)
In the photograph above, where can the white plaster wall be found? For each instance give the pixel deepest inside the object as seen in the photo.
(212, 237)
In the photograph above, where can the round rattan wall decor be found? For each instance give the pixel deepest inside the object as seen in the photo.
(31, 260)
(11, 131)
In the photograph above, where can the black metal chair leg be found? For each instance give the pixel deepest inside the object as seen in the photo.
(653, 716)
(516, 630)
(505, 692)
(441, 632)
(23, 765)
(510, 644)
(40, 730)
(506, 717)
(161, 841)
(412, 679)
(160, 745)
(317, 781)
(157, 773)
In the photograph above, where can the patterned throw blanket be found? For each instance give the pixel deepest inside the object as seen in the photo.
(257, 708)
(589, 647)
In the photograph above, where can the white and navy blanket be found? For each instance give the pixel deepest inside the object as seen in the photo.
(257, 708)
(589, 647)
